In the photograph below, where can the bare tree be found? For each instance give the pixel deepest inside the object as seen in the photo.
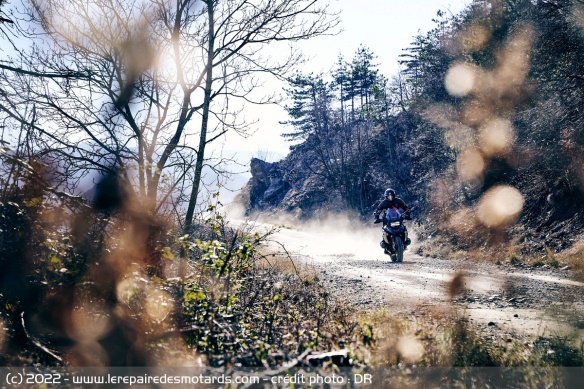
(122, 108)
(118, 85)
(238, 32)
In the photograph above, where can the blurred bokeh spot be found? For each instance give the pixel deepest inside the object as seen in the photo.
(2, 336)
(496, 137)
(158, 305)
(456, 284)
(88, 323)
(470, 165)
(500, 206)
(460, 79)
(474, 38)
(410, 348)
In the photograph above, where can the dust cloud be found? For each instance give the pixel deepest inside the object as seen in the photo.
(333, 234)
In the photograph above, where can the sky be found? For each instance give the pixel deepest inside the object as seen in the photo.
(384, 26)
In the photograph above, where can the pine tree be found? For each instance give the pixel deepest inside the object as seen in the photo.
(311, 105)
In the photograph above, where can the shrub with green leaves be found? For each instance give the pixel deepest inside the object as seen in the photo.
(239, 307)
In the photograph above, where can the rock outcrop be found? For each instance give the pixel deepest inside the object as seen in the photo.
(285, 186)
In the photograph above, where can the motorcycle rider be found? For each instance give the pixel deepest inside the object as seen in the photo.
(391, 201)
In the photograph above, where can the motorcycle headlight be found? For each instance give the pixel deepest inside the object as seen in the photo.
(395, 224)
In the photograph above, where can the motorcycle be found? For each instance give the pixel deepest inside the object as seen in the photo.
(394, 234)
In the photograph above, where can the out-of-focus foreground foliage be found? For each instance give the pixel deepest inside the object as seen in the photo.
(106, 110)
(86, 284)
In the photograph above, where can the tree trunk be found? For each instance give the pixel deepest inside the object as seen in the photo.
(204, 125)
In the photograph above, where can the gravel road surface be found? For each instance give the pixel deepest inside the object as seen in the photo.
(515, 299)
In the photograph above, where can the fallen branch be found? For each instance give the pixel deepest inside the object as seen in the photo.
(37, 343)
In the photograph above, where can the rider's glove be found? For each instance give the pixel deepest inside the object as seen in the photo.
(407, 215)
(377, 219)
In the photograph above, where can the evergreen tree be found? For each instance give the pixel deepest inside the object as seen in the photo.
(310, 109)
(364, 75)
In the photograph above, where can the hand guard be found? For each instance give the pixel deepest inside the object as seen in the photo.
(377, 221)
(407, 215)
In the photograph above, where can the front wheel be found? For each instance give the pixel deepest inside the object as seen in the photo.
(399, 249)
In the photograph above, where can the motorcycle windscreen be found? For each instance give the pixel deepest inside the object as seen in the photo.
(392, 215)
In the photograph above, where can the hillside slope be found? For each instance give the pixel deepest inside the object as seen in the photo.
(483, 135)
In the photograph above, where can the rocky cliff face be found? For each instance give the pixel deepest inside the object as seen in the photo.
(267, 187)
(286, 186)
(320, 176)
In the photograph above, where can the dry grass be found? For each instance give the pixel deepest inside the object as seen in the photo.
(287, 265)
(574, 258)
(440, 247)
(437, 247)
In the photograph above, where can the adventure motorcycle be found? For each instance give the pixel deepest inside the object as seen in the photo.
(394, 234)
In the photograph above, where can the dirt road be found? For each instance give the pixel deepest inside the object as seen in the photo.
(521, 300)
